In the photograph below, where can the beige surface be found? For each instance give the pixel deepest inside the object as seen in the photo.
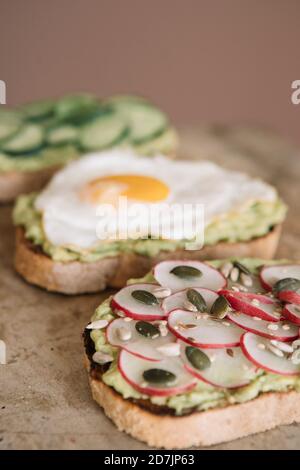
(45, 400)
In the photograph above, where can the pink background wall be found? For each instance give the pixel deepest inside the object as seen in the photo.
(218, 60)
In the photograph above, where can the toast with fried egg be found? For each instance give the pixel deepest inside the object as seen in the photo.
(60, 247)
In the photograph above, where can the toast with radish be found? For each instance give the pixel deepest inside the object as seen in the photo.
(196, 353)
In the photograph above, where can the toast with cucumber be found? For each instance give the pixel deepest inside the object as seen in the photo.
(38, 138)
(64, 245)
(195, 354)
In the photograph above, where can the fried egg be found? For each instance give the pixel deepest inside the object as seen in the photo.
(74, 198)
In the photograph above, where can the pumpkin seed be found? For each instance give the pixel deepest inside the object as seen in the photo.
(145, 297)
(186, 272)
(197, 358)
(242, 268)
(220, 307)
(159, 376)
(146, 329)
(197, 300)
(288, 283)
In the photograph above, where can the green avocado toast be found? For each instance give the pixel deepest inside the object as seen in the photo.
(48, 134)
(191, 337)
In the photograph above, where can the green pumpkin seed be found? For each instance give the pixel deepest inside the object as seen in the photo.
(146, 329)
(220, 307)
(242, 268)
(159, 376)
(197, 300)
(144, 297)
(197, 358)
(186, 272)
(288, 283)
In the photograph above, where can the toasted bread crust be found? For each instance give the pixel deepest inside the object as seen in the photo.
(75, 277)
(14, 183)
(203, 428)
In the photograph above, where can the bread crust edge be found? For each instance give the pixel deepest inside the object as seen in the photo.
(200, 428)
(75, 277)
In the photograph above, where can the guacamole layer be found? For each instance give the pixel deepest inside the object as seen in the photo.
(203, 396)
(254, 221)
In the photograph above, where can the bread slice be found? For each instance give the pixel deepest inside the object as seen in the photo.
(14, 183)
(75, 277)
(199, 428)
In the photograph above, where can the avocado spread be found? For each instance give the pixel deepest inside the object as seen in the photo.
(254, 221)
(203, 396)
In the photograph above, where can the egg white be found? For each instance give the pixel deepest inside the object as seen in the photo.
(69, 220)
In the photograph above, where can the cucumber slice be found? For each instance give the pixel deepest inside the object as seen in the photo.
(38, 110)
(106, 131)
(28, 139)
(62, 135)
(10, 123)
(146, 122)
(71, 108)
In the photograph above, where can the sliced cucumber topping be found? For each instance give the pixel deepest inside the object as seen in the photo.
(74, 108)
(62, 135)
(28, 139)
(103, 132)
(10, 123)
(145, 121)
(38, 110)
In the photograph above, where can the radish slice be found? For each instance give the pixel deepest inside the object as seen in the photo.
(178, 300)
(282, 331)
(292, 313)
(289, 296)
(203, 331)
(269, 275)
(137, 344)
(133, 369)
(256, 350)
(207, 276)
(255, 305)
(229, 368)
(128, 305)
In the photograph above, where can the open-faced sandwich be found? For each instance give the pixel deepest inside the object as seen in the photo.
(60, 246)
(197, 354)
(38, 138)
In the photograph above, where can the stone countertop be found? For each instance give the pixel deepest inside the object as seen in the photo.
(45, 401)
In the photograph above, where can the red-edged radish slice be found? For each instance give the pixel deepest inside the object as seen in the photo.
(282, 331)
(255, 305)
(129, 306)
(124, 334)
(269, 275)
(289, 296)
(179, 299)
(229, 368)
(203, 332)
(133, 368)
(292, 313)
(256, 349)
(208, 276)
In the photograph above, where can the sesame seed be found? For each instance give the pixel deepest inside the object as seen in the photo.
(272, 326)
(282, 346)
(286, 327)
(261, 346)
(275, 351)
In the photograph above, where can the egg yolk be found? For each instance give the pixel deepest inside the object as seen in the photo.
(140, 188)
